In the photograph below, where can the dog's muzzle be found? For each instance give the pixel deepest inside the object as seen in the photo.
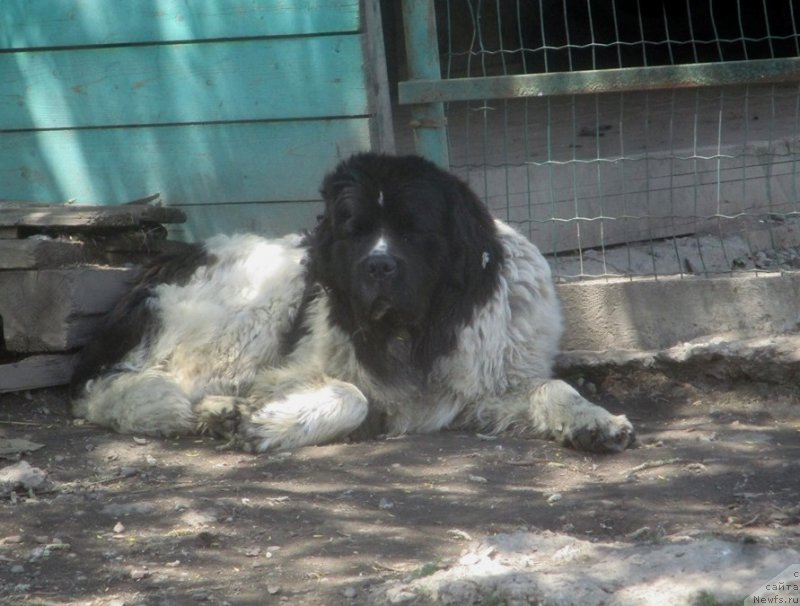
(380, 277)
(380, 267)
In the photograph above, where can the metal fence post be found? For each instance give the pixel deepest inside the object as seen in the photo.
(422, 51)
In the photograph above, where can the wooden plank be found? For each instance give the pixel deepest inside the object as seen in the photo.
(375, 65)
(272, 219)
(129, 247)
(35, 372)
(31, 214)
(55, 23)
(192, 164)
(184, 83)
(57, 309)
(40, 254)
(9, 233)
(119, 248)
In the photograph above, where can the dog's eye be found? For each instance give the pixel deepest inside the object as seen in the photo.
(342, 216)
(343, 221)
(347, 225)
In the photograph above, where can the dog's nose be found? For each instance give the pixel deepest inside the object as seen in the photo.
(380, 266)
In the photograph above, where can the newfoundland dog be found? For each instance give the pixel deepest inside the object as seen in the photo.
(407, 309)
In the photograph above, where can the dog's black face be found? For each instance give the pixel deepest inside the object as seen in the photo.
(389, 249)
(406, 252)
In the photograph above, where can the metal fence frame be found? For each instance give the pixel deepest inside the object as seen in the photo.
(426, 93)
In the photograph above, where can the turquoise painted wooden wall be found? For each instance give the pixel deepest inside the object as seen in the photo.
(230, 109)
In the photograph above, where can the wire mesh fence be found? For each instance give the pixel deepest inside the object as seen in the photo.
(688, 181)
(533, 36)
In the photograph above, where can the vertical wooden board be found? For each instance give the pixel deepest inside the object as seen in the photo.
(191, 164)
(286, 78)
(273, 219)
(56, 23)
(375, 68)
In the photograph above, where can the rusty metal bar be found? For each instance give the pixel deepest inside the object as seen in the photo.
(697, 75)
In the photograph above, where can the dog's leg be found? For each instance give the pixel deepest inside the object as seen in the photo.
(551, 409)
(310, 416)
(148, 403)
(559, 412)
(305, 415)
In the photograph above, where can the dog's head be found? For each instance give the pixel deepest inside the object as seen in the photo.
(404, 250)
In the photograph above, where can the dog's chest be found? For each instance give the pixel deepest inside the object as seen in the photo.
(409, 400)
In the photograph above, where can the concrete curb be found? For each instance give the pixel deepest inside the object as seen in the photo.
(646, 315)
(774, 359)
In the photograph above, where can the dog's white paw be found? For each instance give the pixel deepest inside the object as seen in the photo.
(600, 431)
(316, 415)
(263, 437)
(218, 416)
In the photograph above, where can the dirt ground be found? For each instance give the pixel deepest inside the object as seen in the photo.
(125, 520)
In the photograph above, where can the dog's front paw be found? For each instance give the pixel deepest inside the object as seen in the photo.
(259, 437)
(602, 432)
(218, 416)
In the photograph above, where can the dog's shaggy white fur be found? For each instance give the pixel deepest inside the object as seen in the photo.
(216, 355)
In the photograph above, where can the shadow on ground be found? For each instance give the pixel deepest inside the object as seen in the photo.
(126, 520)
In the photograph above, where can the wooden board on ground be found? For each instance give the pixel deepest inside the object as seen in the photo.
(30, 214)
(57, 309)
(35, 372)
(39, 253)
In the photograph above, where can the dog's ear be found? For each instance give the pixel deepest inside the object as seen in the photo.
(332, 188)
(347, 173)
(472, 271)
(475, 246)
(320, 240)
(332, 185)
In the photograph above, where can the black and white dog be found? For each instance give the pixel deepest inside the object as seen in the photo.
(407, 309)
